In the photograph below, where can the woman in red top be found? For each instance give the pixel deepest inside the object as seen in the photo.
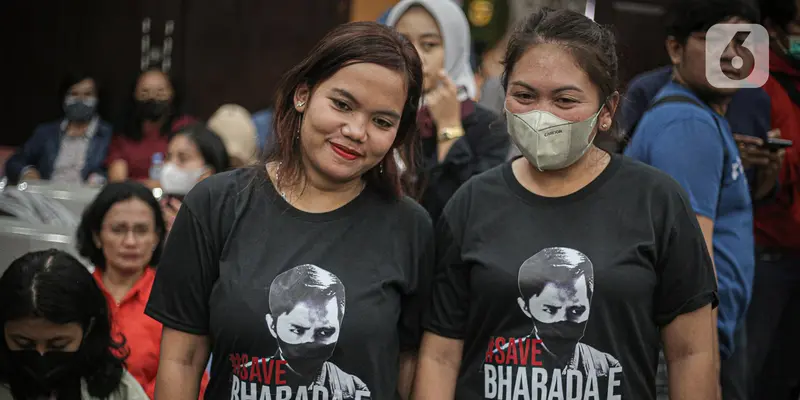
(147, 127)
(122, 234)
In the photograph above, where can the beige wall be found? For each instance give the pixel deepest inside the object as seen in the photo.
(369, 10)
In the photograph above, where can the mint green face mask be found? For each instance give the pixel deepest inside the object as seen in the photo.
(794, 46)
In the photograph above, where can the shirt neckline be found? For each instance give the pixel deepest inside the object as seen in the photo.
(535, 199)
(91, 129)
(145, 281)
(340, 213)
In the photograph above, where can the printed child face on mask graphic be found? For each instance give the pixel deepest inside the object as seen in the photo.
(306, 310)
(556, 287)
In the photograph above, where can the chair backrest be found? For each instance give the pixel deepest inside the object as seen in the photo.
(74, 197)
(18, 237)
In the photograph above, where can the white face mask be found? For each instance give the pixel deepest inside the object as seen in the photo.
(177, 181)
(549, 142)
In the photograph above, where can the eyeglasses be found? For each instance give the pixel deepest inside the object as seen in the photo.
(140, 231)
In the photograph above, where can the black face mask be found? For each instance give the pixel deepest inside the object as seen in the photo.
(560, 338)
(306, 359)
(34, 374)
(152, 110)
(79, 110)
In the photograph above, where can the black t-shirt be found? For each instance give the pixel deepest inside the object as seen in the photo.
(297, 305)
(573, 288)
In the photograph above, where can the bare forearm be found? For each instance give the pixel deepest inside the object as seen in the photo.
(693, 377)
(436, 379)
(177, 381)
(406, 372)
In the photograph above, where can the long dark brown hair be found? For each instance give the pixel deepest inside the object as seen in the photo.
(348, 44)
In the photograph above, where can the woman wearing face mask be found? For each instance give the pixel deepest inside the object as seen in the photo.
(459, 138)
(146, 128)
(122, 234)
(193, 154)
(57, 341)
(562, 272)
(306, 275)
(71, 149)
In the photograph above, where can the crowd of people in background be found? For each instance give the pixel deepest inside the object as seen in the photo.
(393, 226)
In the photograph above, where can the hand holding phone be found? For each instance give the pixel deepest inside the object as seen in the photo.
(752, 151)
(775, 144)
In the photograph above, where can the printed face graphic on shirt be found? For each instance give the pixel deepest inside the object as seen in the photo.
(556, 286)
(306, 310)
(307, 332)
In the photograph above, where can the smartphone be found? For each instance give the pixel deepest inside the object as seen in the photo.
(775, 144)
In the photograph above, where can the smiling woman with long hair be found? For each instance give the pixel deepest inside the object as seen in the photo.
(306, 275)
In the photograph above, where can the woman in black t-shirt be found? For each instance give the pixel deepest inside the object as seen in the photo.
(561, 273)
(306, 276)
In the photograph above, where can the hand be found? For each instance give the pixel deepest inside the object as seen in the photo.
(751, 151)
(95, 179)
(31, 174)
(169, 209)
(443, 103)
(767, 176)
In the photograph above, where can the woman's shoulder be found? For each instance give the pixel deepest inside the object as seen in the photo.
(480, 117)
(482, 190)
(49, 127)
(647, 183)
(221, 187)
(182, 121)
(128, 389)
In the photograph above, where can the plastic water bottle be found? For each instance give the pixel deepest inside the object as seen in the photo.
(156, 164)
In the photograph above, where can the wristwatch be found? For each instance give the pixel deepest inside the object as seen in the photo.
(446, 134)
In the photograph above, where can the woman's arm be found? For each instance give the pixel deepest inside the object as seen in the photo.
(181, 365)
(405, 378)
(437, 369)
(689, 351)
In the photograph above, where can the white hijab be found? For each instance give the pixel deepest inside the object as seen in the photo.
(455, 34)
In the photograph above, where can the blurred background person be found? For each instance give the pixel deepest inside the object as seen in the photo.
(459, 138)
(193, 154)
(71, 149)
(772, 321)
(139, 145)
(242, 137)
(57, 334)
(690, 139)
(262, 120)
(122, 234)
